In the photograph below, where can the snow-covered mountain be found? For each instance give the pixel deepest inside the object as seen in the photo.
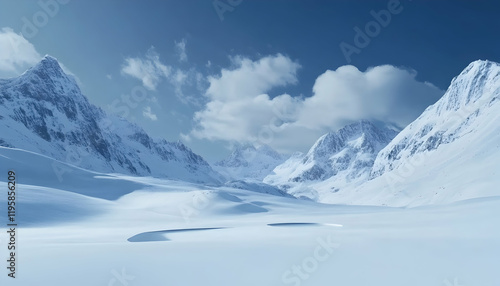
(44, 111)
(336, 160)
(450, 153)
(456, 114)
(247, 162)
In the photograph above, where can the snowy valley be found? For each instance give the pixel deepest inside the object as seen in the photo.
(366, 205)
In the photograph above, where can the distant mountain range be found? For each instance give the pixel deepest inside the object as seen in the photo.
(450, 153)
(250, 163)
(336, 160)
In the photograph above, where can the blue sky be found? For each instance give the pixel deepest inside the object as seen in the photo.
(218, 73)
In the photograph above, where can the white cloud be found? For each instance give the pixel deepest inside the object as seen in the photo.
(238, 105)
(181, 50)
(149, 114)
(385, 93)
(108, 76)
(252, 78)
(149, 70)
(16, 54)
(179, 78)
(240, 110)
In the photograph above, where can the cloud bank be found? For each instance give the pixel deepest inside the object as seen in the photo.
(239, 108)
(16, 54)
(238, 105)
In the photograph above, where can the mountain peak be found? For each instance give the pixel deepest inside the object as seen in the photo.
(362, 125)
(47, 80)
(477, 81)
(480, 64)
(244, 147)
(470, 98)
(342, 158)
(49, 64)
(269, 151)
(336, 141)
(478, 68)
(49, 59)
(44, 111)
(49, 70)
(248, 162)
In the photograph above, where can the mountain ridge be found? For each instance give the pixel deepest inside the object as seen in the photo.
(462, 102)
(44, 111)
(338, 158)
(449, 153)
(247, 162)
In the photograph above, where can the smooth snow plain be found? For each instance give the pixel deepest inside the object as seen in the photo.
(85, 228)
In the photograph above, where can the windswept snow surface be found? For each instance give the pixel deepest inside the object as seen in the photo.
(123, 230)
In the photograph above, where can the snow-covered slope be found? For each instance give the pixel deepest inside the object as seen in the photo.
(250, 163)
(450, 153)
(162, 232)
(44, 111)
(458, 113)
(50, 197)
(258, 187)
(336, 160)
